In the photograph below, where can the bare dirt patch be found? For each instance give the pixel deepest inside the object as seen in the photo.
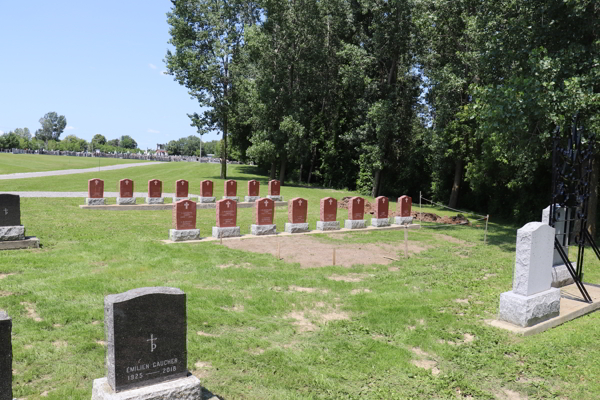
(462, 301)
(5, 294)
(303, 323)
(203, 369)
(507, 394)
(101, 342)
(348, 277)
(59, 344)
(357, 291)
(425, 361)
(488, 276)
(236, 308)
(306, 289)
(310, 252)
(31, 313)
(200, 333)
(303, 319)
(2, 276)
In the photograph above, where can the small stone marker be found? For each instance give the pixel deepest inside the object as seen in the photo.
(297, 210)
(328, 215)
(560, 273)
(206, 192)
(274, 190)
(95, 193)
(532, 299)
(230, 190)
(253, 191)
(181, 190)
(381, 212)
(403, 207)
(226, 219)
(125, 192)
(356, 213)
(155, 192)
(264, 212)
(184, 222)
(5, 357)
(146, 346)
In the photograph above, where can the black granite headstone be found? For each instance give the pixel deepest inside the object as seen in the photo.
(146, 337)
(10, 210)
(5, 357)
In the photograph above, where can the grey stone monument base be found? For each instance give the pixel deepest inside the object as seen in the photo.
(296, 228)
(155, 200)
(236, 198)
(328, 225)
(206, 199)
(263, 229)
(30, 242)
(403, 220)
(125, 201)
(232, 231)
(187, 388)
(529, 310)
(275, 198)
(16, 232)
(251, 199)
(94, 202)
(176, 199)
(379, 222)
(181, 235)
(561, 276)
(355, 224)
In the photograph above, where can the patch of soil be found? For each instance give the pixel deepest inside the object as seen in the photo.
(348, 277)
(31, 312)
(59, 343)
(5, 294)
(311, 253)
(459, 219)
(424, 361)
(343, 205)
(203, 369)
(507, 394)
(101, 342)
(357, 291)
(200, 333)
(305, 324)
(305, 289)
(2, 276)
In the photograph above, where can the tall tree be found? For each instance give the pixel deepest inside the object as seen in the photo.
(53, 126)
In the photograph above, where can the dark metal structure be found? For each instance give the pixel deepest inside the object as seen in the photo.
(572, 157)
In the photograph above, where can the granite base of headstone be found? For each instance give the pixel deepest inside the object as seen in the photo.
(380, 222)
(126, 201)
(403, 220)
(232, 231)
(561, 275)
(5, 357)
(259, 230)
(251, 199)
(10, 233)
(206, 199)
(328, 225)
(94, 201)
(355, 224)
(155, 200)
(236, 198)
(188, 388)
(275, 198)
(296, 228)
(532, 299)
(181, 235)
(176, 199)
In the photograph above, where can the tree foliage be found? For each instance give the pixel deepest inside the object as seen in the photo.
(53, 126)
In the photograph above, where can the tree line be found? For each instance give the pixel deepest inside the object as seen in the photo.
(456, 99)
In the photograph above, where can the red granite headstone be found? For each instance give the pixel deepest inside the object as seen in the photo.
(381, 207)
(154, 188)
(206, 188)
(184, 215)
(297, 209)
(125, 188)
(181, 188)
(328, 209)
(274, 188)
(230, 188)
(356, 208)
(264, 211)
(95, 188)
(226, 213)
(253, 188)
(404, 206)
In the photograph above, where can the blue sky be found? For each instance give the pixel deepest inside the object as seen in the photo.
(98, 63)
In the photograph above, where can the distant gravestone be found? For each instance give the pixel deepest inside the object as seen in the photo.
(297, 211)
(562, 224)
(5, 357)
(230, 190)
(206, 192)
(264, 213)
(356, 213)
(226, 219)
(95, 193)
(184, 222)
(381, 212)
(403, 209)
(253, 191)
(10, 218)
(328, 215)
(274, 190)
(154, 192)
(181, 190)
(125, 192)
(146, 346)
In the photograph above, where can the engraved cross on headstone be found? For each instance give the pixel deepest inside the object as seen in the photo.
(358, 201)
(231, 183)
(406, 200)
(151, 340)
(155, 183)
(127, 183)
(330, 202)
(300, 203)
(186, 205)
(96, 182)
(228, 204)
(6, 211)
(266, 203)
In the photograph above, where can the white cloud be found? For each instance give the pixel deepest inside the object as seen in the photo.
(153, 131)
(68, 128)
(152, 66)
(1, 132)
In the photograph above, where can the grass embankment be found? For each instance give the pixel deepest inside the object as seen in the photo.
(18, 163)
(263, 328)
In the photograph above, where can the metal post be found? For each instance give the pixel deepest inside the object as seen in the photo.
(420, 211)
(334, 256)
(487, 218)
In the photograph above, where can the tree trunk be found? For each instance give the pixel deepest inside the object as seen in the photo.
(224, 150)
(300, 173)
(312, 162)
(593, 200)
(282, 169)
(458, 171)
(272, 174)
(376, 182)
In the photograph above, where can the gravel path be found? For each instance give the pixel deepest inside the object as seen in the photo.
(83, 194)
(23, 175)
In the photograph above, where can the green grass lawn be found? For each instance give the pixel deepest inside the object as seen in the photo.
(17, 163)
(262, 328)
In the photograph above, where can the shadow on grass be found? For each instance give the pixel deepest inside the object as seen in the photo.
(208, 395)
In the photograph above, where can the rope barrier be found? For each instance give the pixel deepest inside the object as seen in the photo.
(453, 209)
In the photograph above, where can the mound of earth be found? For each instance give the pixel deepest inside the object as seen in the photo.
(343, 204)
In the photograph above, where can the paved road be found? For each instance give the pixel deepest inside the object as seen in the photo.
(74, 171)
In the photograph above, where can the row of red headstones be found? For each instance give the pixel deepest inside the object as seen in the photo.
(184, 211)
(125, 188)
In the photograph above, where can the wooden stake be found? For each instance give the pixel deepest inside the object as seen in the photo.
(406, 241)
(334, 256)
(487, 218)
